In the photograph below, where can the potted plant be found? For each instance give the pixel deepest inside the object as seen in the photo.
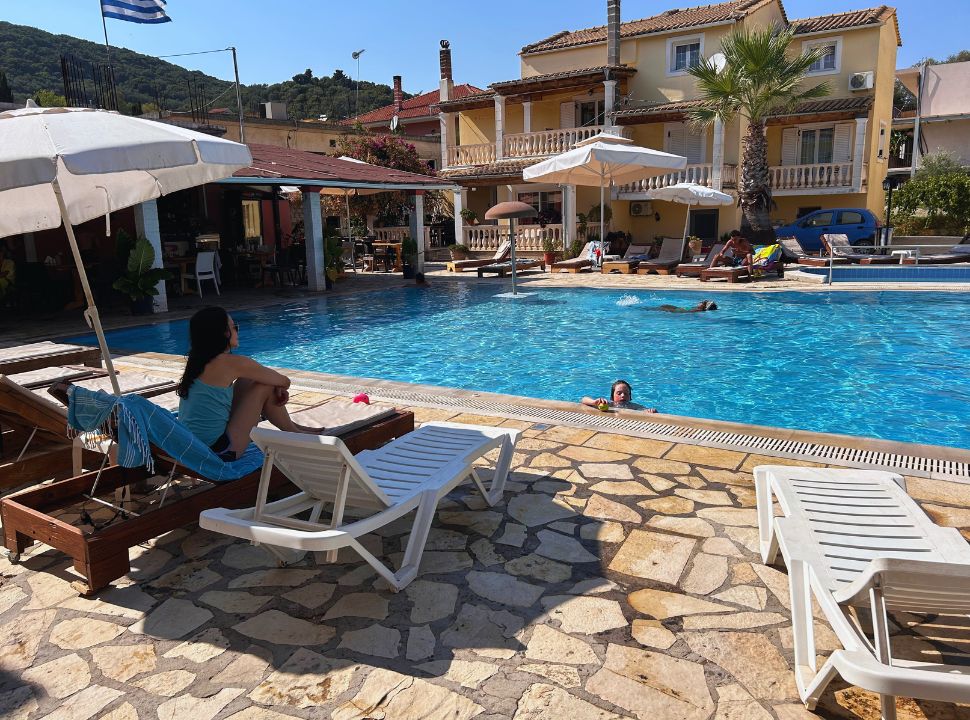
(409, 257)
(458, 251)
(694, 243)
(548, 250)
(469, 216)
(140, 278)
(333, 265)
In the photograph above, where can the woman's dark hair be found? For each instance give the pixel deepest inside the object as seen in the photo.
(207, 339)
(620, 382)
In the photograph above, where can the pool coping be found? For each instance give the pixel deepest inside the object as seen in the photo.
(935, 462)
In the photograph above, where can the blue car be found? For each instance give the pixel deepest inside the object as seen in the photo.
(859, 224)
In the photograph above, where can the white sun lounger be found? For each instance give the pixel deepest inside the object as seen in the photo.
(412, 473)
(854, 538)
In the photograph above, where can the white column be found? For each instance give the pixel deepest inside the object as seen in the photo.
(443, 122)
(461, 202)
(569, 215)
(717, 156)
(527, 116)
(417, 228)
(499, 127)
(859, 153)
(313, 231)
(610, 102)
(369, 220)
(146, 225)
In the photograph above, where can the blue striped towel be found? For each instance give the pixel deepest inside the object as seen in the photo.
(141, 424)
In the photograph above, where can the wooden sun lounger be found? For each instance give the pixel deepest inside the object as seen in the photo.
(693, 269)
(574, 265)
(671, 255)
(503, 269)
(44, 354)
(731, 274)
(101, 555)
(472, 263)
(626, 265)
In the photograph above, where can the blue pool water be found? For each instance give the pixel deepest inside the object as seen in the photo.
(888, 364)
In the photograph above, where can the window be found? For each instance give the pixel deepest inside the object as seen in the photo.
(803, 211)
(881, 155)
(333, 143)
(684, 53)
(851, 217)
(819, 220)
(830, 62)
(547, 203)
(816, 146)
(590, 113)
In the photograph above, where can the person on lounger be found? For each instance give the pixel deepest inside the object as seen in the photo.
(223, 395)
(737, 252)
(621, 398)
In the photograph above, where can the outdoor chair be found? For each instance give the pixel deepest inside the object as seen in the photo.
(837, 245)
(205, 269)
(693, 269)
(671, 255)
(410, 474)
(634, 255)
(501, 253)
(504, 268)
(794, 252)
(957, 254)
(22, 358)
(576, 264)
(854, 540)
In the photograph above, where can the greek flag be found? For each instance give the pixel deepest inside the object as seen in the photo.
(139, 11)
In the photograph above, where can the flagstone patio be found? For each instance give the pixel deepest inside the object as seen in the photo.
(619, 578)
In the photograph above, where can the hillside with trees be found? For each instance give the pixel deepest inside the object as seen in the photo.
(31, 61)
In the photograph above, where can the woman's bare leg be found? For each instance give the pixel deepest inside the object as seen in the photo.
(251, 400)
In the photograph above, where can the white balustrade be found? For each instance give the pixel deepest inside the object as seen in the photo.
(810, 177)
(551, 142)
(700, 174)
(487, 238)
(391, 234)
(480, 154)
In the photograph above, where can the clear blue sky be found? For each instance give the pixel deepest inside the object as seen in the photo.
(277, 40)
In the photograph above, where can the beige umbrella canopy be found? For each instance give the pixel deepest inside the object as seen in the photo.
(511, 211)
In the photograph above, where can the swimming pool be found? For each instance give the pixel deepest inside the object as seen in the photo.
(880, 364)
(894, 273)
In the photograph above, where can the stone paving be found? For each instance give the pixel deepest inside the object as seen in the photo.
(618, 578)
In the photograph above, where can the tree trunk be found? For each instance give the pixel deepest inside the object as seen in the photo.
(754, 189)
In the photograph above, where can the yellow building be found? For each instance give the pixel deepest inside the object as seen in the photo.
(826, 153)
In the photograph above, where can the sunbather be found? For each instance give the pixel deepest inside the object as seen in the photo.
(736, 253)
(621, 398)
(223, 395)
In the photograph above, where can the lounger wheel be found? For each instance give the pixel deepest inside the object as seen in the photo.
(12, 557)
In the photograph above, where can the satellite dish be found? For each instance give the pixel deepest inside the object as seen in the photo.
(718, 61)
(394, 123)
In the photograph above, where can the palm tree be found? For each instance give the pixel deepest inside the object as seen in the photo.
(760, 78)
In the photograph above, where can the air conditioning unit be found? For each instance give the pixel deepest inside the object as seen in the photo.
(861, 81)
(640, 208)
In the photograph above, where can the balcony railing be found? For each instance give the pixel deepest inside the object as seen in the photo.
(480, 154)
(811, 177)
(701, 174)
(487, 238)
(550, 142)
(432, 236)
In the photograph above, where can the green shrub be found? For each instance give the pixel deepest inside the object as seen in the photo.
(941, 199)
(140, 278)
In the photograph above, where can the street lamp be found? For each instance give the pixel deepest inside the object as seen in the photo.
(356, 56)
(889, 184)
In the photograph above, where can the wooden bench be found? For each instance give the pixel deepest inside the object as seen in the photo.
(731, 274)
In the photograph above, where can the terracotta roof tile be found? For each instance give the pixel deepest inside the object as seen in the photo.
(618, 70)
(422, 105)
(664, 22)
(469, 102)
(499, 169)
(812, 107)
(842, 21)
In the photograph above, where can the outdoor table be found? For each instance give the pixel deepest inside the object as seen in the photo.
(181, 264)
(396, 247)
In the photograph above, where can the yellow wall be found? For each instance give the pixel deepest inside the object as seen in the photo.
(477, 126)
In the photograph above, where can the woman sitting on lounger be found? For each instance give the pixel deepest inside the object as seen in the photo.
(621, 398)
(223, 395)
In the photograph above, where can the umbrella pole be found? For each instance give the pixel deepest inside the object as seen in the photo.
(353, 255)
(512, 250)
(687, 222)
(91, 314)
(602, 220)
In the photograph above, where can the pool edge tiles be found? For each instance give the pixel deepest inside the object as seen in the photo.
(950, 274)
(935, 462)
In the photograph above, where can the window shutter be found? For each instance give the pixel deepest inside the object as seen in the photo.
(675, 139)
(842, 144)
(695, 146)
(789, 146)
(567, 115)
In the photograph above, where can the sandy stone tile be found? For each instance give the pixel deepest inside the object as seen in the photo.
(471, 419)
(306, 679)
(373, 640)
(203, 647)
(735, 621)
(707, 574)
(517, 424)
(485, 553)
(204, 708)
(938, 491)
(549, 460)
(543, 701)
(948, 516)
(275, 577)
(564, 675)
(85, 704)
(18, 704)
(501, 588)
(359, 575)
(600, 507)
(123, 662)
(487, 632)
(243, 556)
(61, 677)
(566, 528)
(734, 703)
(628, 488)
(658, 483)
(576, 502)
(712, 457)
(661, 605)
(753, 461)
(668, 505)
(278, 627)
(188, 577)
(592, 455)
(247, 669)
(532, 509)
(744, 536)
(695, 527)
(630, 445)
(745, 496)
(431, 600)
(166, 684)
(258, 713)
(513, 535)
(559, 547)
(721, 546)
(704, 497)
(424, 414)
(483, 522)
(653, 556)
(747, 595)
(652, 634)
(80, 633)
(571, 436)
(433, 563)
(440, 539)
(10, 595)
(421, 643)
(148, 562)
(125, 711)
(21, 638)
(604, 532)
(742, 573)
(586, 615)
(652, 685)
(751, 658)
(537, 444)
(171, 620)
(366, 605)
(660, 465)
(125, 602)
(728, 477)
(610, 470)
(775, 581)
(468, 674)
(234, 602)
(202, 542)
(388, 694)
(47, 590)
(793, 712)
(691, 481)
(592, 586)
(551, 645)
(538, 567)
(736, 517)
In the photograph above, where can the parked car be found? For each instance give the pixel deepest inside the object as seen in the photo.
(859, 224)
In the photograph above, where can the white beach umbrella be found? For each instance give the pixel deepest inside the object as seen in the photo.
(690, 194)
(71, 165)
(602, 160)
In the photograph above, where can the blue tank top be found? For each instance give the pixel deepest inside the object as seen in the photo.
(206, 410)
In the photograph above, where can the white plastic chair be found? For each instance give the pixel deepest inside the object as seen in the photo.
(205, 269)
(412, 473)
(854, 538)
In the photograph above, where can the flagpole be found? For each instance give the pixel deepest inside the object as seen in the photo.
(104, 24)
